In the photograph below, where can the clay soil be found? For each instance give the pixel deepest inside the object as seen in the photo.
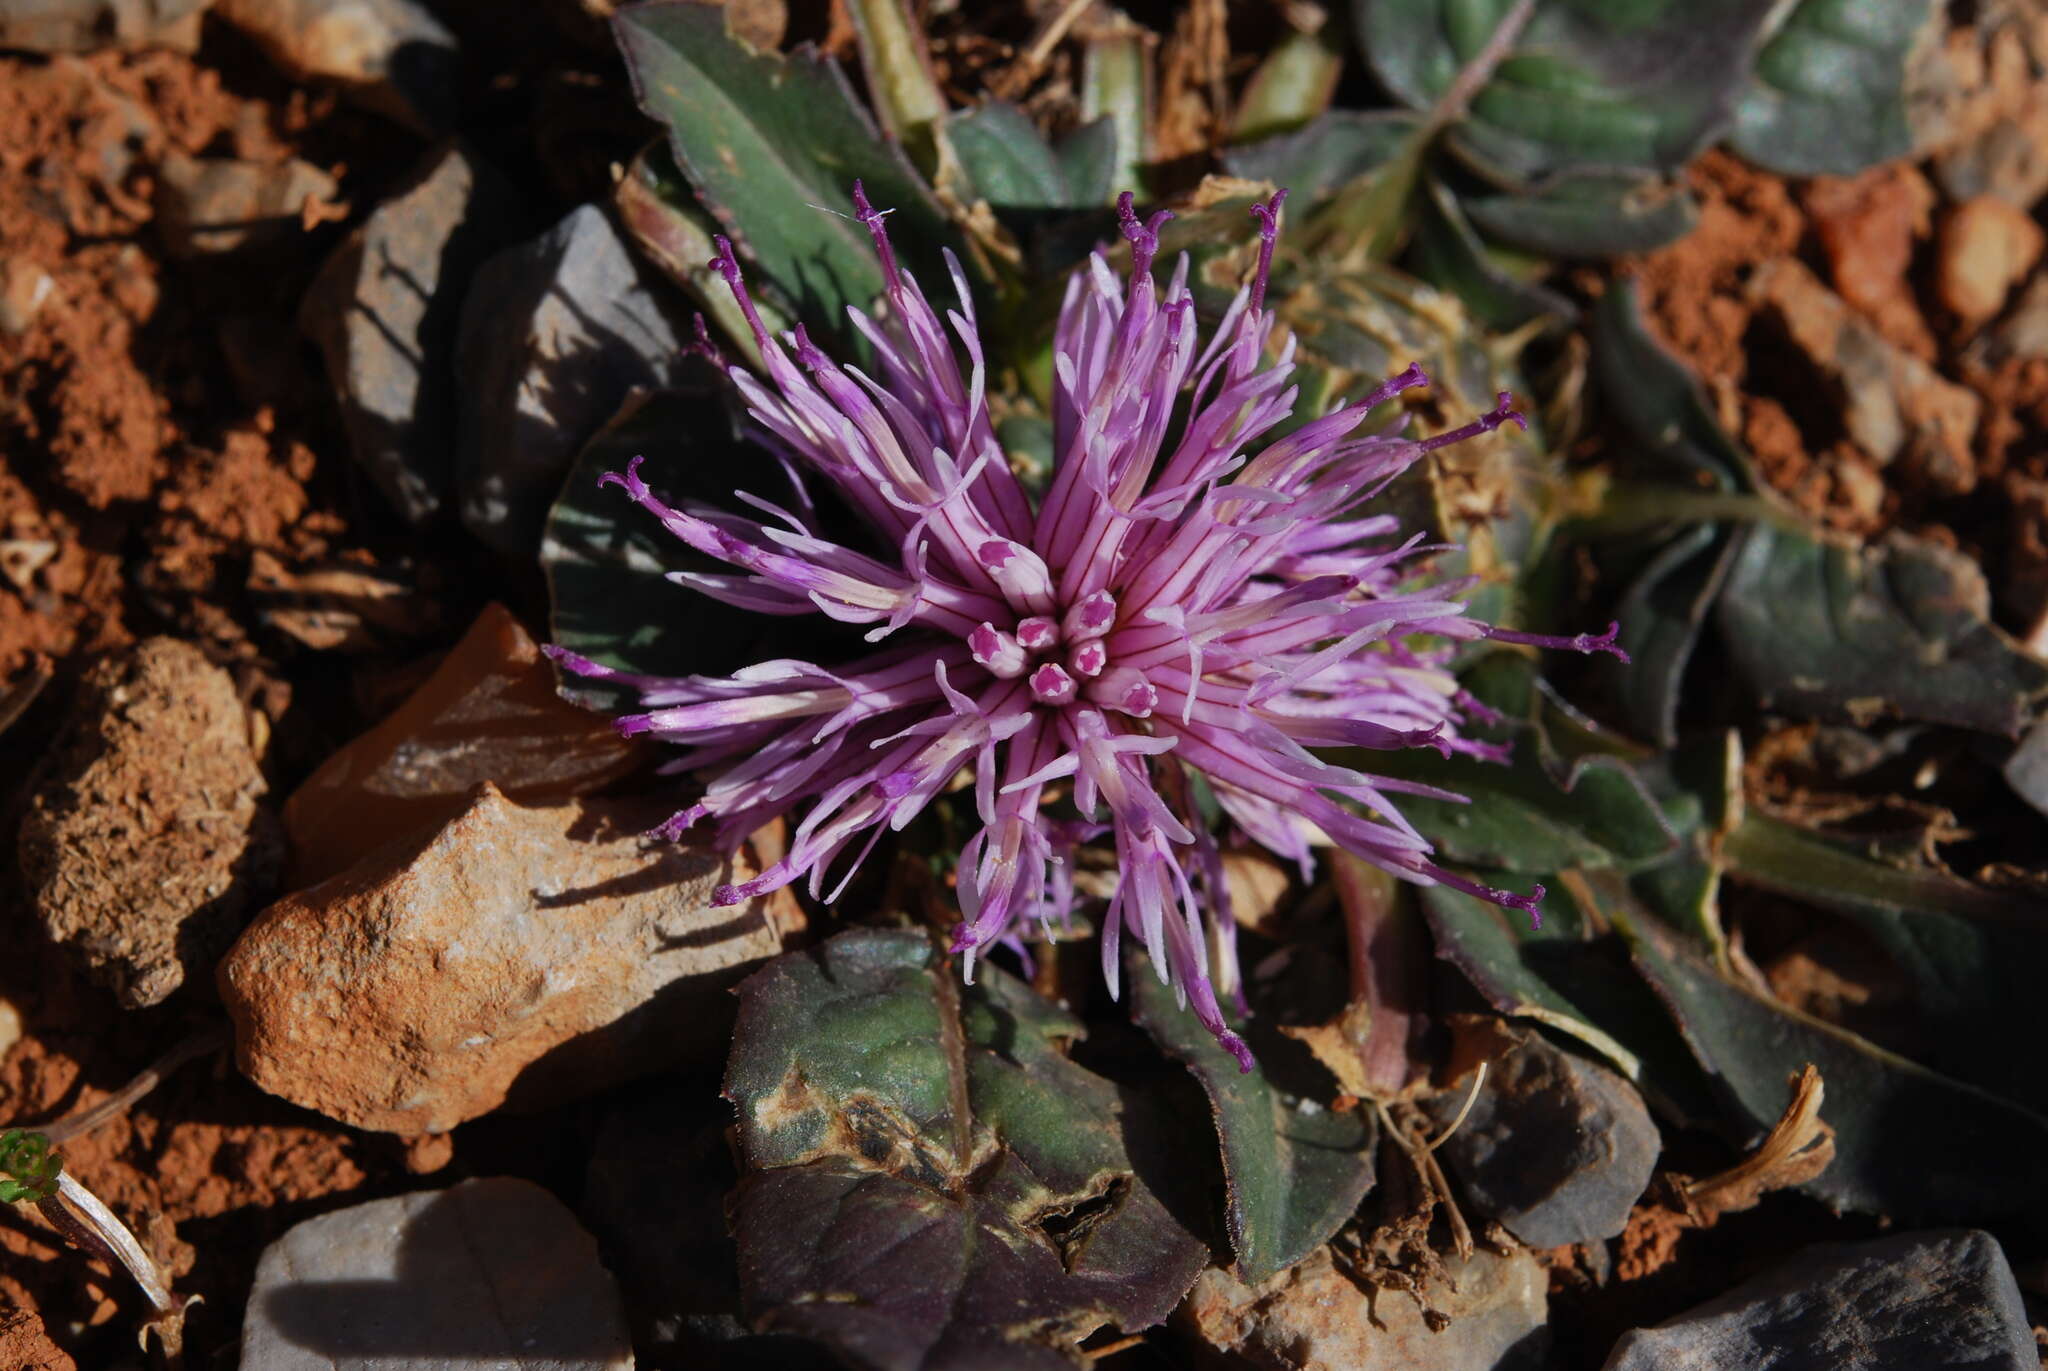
(170, 463)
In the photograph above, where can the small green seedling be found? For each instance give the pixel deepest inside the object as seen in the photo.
(28, 1167)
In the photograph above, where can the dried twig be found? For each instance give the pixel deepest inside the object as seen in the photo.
(121, 1101)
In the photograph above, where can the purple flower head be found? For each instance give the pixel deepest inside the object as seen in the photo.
(1183, 607)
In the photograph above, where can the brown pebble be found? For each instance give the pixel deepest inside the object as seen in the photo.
(1986, 246)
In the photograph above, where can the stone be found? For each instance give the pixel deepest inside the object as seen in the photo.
(389, 56)
(2026, 771)
(145, 845)
(488, 713)
(1992, 136)
(1905, 1302)
(1986, 247)
(515, 957)
(1867, 226)
(1895, 406)
(384, 311)
(89, 25)
(208, 205)
(555, 333)
(2024, 330)
(24, 289)
(492, 1273)
(1316, 1318)
(1556, 1147)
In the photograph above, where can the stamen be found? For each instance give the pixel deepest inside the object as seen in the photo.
(1037, 633)
(726, 264)
(1584, 642)
(1503, 410)
(1143, 238)
(1124, 689)
(672, 829)
(1052, 685)
(998, 651)
(702, 346)
(1268, 216)
(871, 218)
(1394, 385)
(1091, 616)
(808, 352)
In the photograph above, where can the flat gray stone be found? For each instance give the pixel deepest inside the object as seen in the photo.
(489, 1274)
(1557, 1148)
(555, 333)
(1936, 1301)
(2026, 771)
(385, 311)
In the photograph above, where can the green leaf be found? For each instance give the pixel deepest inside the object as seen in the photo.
(1088, 156)
(1571, 974)
(1586, 83)
(1545, 810)
(661, 215)
(1661, 615)
(1813, 626)
(1373, 211)
(1325, 154)
(930, 1182)
(1909, 1143)
(1116, 85)
(1007, 161)
(1657, 400)
(899, 75)
(1294, 1170)
(1975, 956)
(1448, 253)
(1587, 214)
(1293, 83)
(1898, 630)
(605, 559)
(773, 145)
(1829, 92)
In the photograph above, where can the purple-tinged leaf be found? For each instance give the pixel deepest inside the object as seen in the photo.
(930, 1182)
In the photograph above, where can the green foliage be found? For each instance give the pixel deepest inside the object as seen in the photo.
(28, 1167)
(1021, 1200)
(1294, 1170)
(1560, 128)
(772, 146)
(1829, 92)
(1811, 625)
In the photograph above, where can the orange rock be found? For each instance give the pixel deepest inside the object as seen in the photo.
(488, 713)
(146, 845)
(1987, 245)
(513, 957)
(1894, 406)
(1867, 226)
